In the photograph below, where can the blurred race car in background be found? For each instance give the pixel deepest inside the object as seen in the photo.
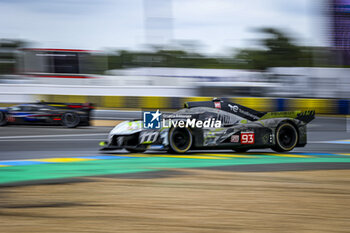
(241, 129)
(69, 115)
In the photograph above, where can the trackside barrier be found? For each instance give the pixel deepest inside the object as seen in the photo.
(322, 106)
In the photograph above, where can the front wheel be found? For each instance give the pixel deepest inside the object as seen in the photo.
(3, 119)
(70, 119)
(286, 137)
(180, 140)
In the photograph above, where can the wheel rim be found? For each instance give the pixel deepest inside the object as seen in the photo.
(287, 137)
(71, 119)
(181, 139)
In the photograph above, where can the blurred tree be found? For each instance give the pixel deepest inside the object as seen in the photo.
(114, 60)
(279, 51)
(251, 59)
(163, 58)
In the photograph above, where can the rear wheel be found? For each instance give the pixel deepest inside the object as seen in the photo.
(70, 119)
(180, 140)
(3, 120)
(286, 137)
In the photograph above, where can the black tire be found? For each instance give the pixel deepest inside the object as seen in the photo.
(180, 140)
(286, 137)
(70, 119)
(136, 150)
(3, 118)
(241, 150)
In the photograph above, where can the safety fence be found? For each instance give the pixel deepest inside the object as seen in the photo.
(322, 106)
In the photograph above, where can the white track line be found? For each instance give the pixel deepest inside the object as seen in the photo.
(53, 136)
(51, 140)
(330, 142)
(113, 118)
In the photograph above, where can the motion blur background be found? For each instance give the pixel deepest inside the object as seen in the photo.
(271, 54)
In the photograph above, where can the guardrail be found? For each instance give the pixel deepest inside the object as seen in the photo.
(163, 97)
(322, 106)
(96, 90)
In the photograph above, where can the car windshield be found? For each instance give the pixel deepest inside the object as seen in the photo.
(15, 108)
(46, 107)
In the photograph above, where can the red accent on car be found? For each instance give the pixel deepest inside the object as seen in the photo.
(74, 106)
(217, 104)
(88, 105)
(11, 119)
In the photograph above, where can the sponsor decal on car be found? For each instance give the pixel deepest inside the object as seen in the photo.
(233, 108)
(235, 138)
(247, 137)
(245, 113)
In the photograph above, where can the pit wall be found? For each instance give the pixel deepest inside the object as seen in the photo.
(322, 106)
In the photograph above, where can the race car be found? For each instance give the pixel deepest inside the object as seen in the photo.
(213, 124)
(69, 115)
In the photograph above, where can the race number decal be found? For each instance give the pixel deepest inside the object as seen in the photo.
(247, 138)
(148, 137)
(10, 119)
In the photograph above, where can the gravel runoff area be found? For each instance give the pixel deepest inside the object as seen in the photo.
(184, 201)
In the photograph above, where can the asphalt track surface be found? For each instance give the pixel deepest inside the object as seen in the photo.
(27, 142)
(328, 148)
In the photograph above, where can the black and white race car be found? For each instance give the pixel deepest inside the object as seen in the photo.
(213, 124)
(44, 113)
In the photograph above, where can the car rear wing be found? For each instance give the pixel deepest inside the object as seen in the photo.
(234, 108)
(305, 116)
